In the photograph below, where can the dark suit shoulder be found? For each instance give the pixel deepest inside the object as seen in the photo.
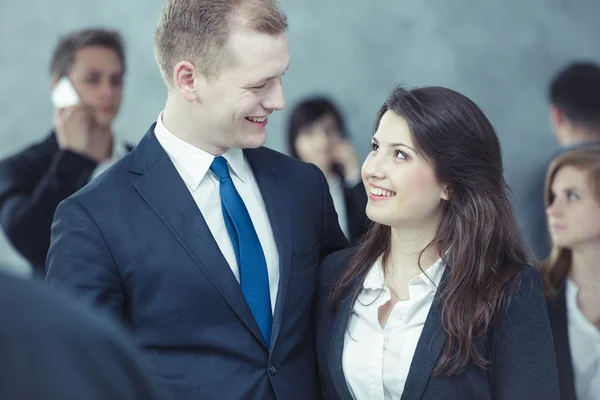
(527, 282)
(54, 347)
(333, 265)
(34, 309)
(21, 160)
(47, 145)
(102, 188)
(280, 160)
(524, 300)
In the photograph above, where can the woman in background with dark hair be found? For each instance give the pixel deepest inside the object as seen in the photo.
(571, 275)
(317, 135)
(438, 302)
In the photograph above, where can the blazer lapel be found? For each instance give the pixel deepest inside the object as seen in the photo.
(161, 187)
(280, 221)
(430, 345)
(336, 347)
(557, 311)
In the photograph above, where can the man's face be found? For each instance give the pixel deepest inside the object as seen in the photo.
(97, 75)
(234, 106)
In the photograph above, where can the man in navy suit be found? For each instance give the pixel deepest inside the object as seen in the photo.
(206, 244)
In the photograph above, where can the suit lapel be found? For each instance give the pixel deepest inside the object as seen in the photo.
(161, 187)
(430, 345)
(336, 347)
(280, 221)
(557, 311)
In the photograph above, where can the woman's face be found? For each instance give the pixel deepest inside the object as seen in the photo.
(401, 184)
(574, 214)
(315, 142)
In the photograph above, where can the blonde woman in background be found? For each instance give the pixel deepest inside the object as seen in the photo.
(571, 275)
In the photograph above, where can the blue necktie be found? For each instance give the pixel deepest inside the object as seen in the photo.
(252, 265)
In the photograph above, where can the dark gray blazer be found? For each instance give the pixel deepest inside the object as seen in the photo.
(557, 309)
(520, 347)
(53, 348)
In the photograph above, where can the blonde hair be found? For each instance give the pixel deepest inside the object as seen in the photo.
(197, 31)
(557, 266)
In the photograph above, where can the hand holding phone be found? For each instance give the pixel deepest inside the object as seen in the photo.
(64, 94)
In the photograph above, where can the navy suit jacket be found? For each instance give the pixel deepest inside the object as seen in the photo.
(519, 348)
(134, 241)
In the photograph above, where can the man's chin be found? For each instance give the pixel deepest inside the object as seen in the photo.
(105, 120)
(254, 141)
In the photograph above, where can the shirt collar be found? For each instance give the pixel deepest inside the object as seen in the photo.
(375, 279)
(193, 163)
(120, 148)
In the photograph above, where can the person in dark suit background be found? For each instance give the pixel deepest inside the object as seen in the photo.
(204, 243)
(317, 134)
(52, 348)
(574, 100)
(571, 274)
(80, 146)
(438, 302)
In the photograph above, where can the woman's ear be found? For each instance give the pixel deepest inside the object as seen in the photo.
(446, 192)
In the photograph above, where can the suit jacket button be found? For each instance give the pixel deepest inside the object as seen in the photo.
(272, 370)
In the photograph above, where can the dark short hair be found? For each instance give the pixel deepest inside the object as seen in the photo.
(64, 53)
(575, 91)
(308, 111)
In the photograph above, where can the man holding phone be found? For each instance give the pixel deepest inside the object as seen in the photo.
(87, 72)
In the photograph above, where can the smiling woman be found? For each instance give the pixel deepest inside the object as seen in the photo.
(438, 301)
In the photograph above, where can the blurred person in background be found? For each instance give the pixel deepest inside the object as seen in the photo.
(571, 275)
(574, 96)
(80, 146)
(317, 134)
(53, 348)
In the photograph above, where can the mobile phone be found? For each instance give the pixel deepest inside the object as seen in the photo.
(64, 94)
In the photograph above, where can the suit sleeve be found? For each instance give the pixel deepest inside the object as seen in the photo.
(356, 204)
(81, 261)
(333, 238)
(31, 187)
(524, 364)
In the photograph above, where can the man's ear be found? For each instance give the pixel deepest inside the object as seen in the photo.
(186, 79)
(556, 117)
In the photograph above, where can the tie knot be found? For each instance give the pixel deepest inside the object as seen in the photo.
(219, 168)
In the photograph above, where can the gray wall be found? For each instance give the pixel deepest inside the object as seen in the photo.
(500, 53)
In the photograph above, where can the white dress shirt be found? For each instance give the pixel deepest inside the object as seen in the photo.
(376, 360)
(336, 189)
(193, 166)
(584, 342)
(119, 151)
(338, 195)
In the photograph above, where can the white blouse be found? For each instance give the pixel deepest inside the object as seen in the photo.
(376, 360)
(584, 342)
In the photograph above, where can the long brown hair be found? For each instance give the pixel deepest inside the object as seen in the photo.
(556, 267)
(487, 250)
